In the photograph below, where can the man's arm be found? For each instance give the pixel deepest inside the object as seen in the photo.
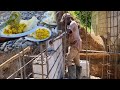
(59, 37)
(62, 35)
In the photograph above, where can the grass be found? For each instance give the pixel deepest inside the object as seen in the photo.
(76, 18)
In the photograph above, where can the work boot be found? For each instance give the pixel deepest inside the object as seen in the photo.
(78, 71)
(66, 75)
(72, 72)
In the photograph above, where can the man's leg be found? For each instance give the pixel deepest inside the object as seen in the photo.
(71, 67)
(78, 67)
(77, 59)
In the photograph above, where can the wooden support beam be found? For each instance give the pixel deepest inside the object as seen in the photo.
(96, 56)
(15, 57)
(92, 51)
(92, 54)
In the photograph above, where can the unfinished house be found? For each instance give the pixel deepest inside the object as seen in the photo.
(99, 58)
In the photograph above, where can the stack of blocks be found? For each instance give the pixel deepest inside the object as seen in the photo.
(85, 68)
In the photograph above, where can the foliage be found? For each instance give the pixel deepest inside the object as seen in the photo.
(80, 16)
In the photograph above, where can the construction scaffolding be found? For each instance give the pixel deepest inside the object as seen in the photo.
(108, 27)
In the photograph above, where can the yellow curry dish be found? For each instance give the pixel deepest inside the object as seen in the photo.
(15, 25)
(41, 34)
(14, 30)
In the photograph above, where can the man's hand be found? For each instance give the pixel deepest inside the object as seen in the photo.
(51, 42)
(69, 31)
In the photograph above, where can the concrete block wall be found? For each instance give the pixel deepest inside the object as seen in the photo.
(55, 64)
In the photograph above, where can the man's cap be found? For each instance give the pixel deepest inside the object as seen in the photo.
(66, 15)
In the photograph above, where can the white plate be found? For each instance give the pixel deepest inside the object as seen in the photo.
(47, 13)
(37, 40)
(17, 35)
(49, 23)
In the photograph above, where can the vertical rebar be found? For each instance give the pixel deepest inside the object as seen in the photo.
(41, 59)
(20, 62)
(23, 59)
(108, 42)
(47, 63)
(114, 46)
(110, 46)
(90, 49)
(107, 26)
(102, 62)
(86, 47)
(116, 51)
(105, 62)
(31, 53)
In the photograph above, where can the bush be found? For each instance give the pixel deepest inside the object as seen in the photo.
(81, 15)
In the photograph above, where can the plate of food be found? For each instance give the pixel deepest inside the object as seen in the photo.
(15, 27)
(49, 21)
(41, 34)
(10, 32)
(50, 18)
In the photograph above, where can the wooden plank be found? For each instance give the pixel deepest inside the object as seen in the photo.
(96, 56)
(92, 54)
(93, 51)
(15, 57)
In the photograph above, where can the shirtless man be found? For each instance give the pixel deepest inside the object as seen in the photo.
(75, 46)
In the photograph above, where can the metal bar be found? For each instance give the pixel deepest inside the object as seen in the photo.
(90, 49)
(29, 75)
(86, 45)
(20, 64)
(47, 59)
(53, 65)
(24, 69)
(106, 42)
(103, 67)
(116, 49)
(107, 38)
(114, 44)
(109, 46)
(42, 60)
(57, 67)
(103, 62)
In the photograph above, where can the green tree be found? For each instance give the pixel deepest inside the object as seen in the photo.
(82, 16)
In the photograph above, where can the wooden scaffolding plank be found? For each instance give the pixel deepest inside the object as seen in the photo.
(97, 56)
